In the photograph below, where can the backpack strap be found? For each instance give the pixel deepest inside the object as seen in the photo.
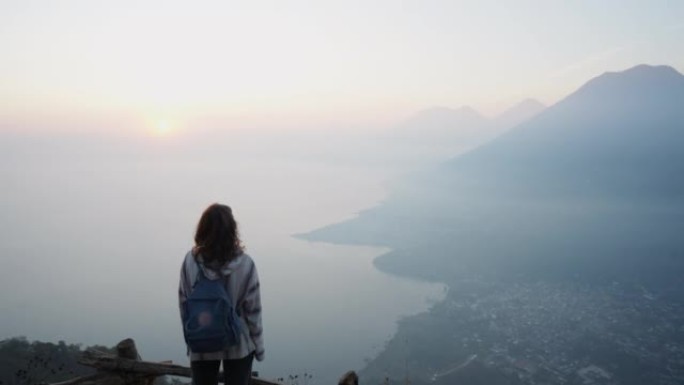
(200, 272)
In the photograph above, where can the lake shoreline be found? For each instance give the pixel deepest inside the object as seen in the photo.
(388, 263)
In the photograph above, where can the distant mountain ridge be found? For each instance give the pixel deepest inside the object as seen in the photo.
(518, 113)
(438, 133)
(439, 124)
(620, 133)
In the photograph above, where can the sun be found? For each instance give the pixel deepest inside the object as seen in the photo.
(163, 127)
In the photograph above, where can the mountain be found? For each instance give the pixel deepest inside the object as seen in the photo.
(620, 134)
(560, 243)
(432, 136)
(591, 185)
(442, 126)
(439, 133)
(519, 113)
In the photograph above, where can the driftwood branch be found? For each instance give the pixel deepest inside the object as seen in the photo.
(107, 362)
(127, 368)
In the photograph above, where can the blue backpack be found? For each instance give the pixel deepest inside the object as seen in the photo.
(210, 323)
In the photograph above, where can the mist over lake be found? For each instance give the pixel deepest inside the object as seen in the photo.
(93, 233)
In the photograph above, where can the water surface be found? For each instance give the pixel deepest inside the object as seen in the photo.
(92, 244)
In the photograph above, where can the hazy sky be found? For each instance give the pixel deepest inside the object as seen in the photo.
(168, 62)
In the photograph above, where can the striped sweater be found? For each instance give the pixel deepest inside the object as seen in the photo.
(242, 283)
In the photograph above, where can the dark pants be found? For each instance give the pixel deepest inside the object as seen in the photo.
(235, 372)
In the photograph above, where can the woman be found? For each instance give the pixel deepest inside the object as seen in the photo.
(219, 253)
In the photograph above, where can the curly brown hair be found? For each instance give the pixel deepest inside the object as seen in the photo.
(217, 237)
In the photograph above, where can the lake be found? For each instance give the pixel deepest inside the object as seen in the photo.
(92, 237)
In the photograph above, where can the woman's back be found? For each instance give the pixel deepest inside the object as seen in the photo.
(218, 255)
